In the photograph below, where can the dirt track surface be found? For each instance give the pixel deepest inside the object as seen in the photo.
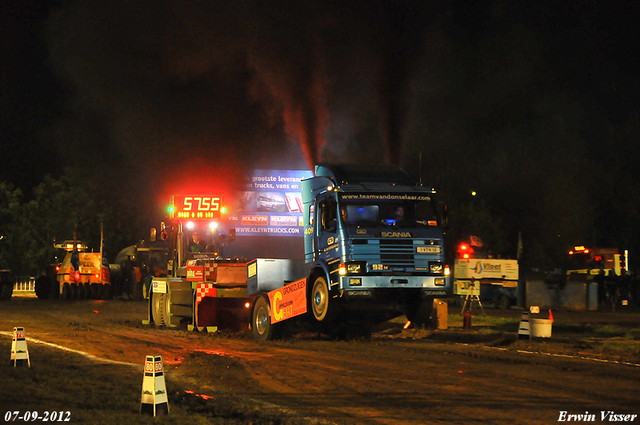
(397, 377)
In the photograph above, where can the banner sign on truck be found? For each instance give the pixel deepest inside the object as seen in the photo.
(270, 204)
(288, 301)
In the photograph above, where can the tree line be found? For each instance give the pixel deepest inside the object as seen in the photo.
(55, 211)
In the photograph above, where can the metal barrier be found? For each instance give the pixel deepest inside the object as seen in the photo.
(24, 286)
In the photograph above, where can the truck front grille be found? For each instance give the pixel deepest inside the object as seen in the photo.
(400, 254)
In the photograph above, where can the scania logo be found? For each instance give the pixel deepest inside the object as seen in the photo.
(395, 234)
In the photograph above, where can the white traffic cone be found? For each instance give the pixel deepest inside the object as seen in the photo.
(154, 393)
(19, 351)
(524, 332)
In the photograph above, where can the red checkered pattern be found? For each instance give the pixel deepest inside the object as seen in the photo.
(204, 290)
(210, 271)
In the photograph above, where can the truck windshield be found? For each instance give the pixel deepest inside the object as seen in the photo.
(387, 210)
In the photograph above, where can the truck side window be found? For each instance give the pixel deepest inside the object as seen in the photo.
(328, 215)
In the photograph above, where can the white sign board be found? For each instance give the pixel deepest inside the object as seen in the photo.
(486, 268)
(159, 286)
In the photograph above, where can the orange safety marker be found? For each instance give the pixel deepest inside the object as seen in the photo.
(19, 351)
(550, 315)
(154, 399)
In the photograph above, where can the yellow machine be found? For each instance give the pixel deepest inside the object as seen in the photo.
(82, 274)
(593, 261)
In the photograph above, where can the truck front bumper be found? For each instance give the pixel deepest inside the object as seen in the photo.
(363, 286)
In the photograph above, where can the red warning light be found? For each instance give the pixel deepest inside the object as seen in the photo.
(465, 251)
(76, 276)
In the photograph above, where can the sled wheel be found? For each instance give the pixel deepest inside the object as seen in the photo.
(261, 320)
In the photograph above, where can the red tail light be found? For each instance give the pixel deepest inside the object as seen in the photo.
(76, 276)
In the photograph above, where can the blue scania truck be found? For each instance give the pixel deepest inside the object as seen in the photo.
(374, 250)
(375, 241)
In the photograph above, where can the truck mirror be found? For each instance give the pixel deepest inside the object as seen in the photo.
(154, 232)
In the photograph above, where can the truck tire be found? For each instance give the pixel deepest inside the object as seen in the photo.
(319, 299)
(103, 291)
(160, 309)
(95, 291)
(261, 320)
(82, 291)
(66, 291)
(419, 311)
(43, 287)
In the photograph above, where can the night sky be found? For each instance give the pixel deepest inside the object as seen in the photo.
(520, 101)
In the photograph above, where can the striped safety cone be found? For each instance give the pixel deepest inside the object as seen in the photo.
(19, 350)
(524, 332)
(154, 393)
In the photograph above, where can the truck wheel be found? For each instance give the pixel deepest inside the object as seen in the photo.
(95, 291)
(319, 299)
(419, 311)
(261, 320)
(160, 309)
(66, 291)
(82, 291)
(43, 287)
(103, 291)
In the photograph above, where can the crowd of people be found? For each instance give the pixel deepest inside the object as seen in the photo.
(614, 289)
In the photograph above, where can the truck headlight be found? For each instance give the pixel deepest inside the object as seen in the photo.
(350, 268)
(436, 268)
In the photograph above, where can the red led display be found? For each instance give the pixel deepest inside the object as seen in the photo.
(196, 207)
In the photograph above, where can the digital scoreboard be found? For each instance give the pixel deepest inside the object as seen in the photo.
(196, 207)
